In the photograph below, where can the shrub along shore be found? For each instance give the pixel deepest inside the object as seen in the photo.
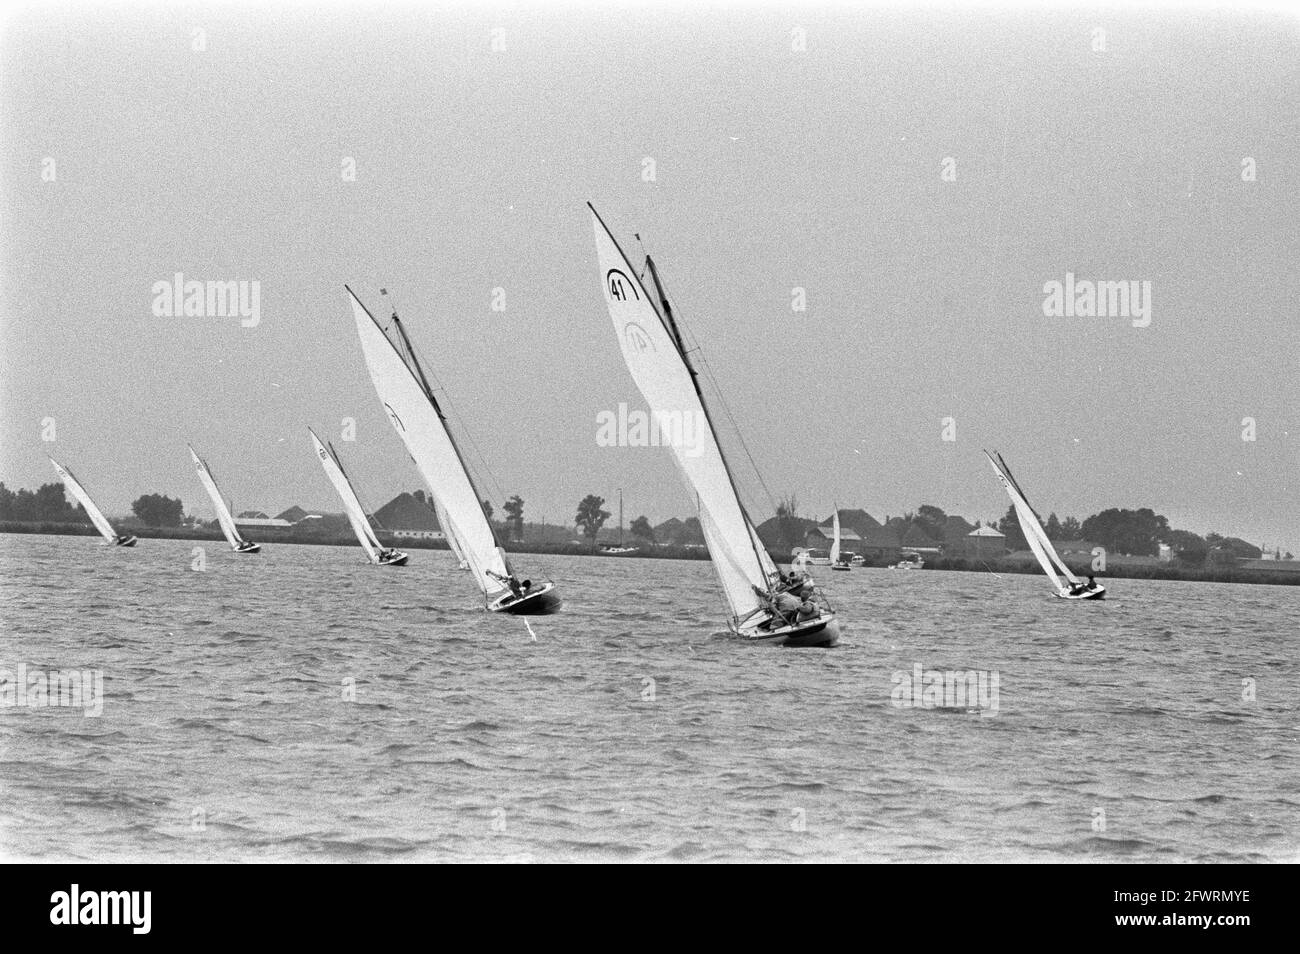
(1217, 573)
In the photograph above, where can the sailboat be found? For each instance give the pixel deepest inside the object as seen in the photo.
(417, 417)
(619, 548)
(93, 512)
(1039, 543)
(659, 363)
(378, 553)
(836, 562)
(445, 524)
(237, 543)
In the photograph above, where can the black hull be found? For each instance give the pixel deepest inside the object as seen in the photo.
(397, 561)
(125, 542)
(542, 603)
(250, 548)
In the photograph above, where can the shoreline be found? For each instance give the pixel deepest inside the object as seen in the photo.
(1116, 571)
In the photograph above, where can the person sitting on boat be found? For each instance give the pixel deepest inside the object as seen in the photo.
(1092, 583)
(510, 581)
(807, 609)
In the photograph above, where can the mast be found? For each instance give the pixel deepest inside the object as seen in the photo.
(413, 365)
(620, 516)
(670, 323)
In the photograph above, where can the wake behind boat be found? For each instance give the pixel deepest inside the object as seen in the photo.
(409, 401)
(96, 515)
(765, 606)
(1039, 542)
(227, 522)
(379, 554)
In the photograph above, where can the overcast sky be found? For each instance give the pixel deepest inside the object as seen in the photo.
(775, 168)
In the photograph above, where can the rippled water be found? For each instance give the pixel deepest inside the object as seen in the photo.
(632, 728)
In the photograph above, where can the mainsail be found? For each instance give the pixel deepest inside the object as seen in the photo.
(656, 358)
(1030, 526)
(219, 504)
(418, 419)
(351, 502)
(835, 544)
(96, 515)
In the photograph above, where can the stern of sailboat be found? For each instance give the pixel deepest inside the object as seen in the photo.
(125, 541)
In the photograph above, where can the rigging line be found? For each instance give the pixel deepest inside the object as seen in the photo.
(449, 407)
(722, 399)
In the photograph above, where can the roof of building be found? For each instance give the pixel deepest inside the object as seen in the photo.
(293, 514)
(986, 532)
(404, 512)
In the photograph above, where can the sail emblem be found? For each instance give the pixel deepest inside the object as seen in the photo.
(323, 455)
(619, 285)
(637, 339)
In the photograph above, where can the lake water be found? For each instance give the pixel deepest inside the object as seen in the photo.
(1159, 725)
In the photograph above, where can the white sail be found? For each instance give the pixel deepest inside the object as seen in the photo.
(835, 544)
(444, 523)
(1036, 525)
(223, 512)
(661, 374)
(96, 515)
(1035, 535)
(351, 502)
(420, 424)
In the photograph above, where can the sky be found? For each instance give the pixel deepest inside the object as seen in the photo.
(797, 146)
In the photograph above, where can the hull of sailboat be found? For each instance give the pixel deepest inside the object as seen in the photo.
(125, 541)
(1098, 594)
(540, 602)
(820, 633)
(398, 560)
(842, 567)
(249, 548)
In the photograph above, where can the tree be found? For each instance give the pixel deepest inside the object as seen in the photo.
(1135, 532)
(1010, 527)
(156, 510)
(1070, 529)
(932, 520)
(1188, 548)
(1053, 527)
(641, 528)
(789, 528)
(514, 508)
(591, 517)
(487, 510)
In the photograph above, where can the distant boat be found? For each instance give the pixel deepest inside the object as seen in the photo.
(237, 543)
(445, 523)
(1038, 541)
(93, 512)
(814, 557)
(378, 553)
(659, 363)
(417, 417)
(909, 561)
(615, 549)
(836, 562)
